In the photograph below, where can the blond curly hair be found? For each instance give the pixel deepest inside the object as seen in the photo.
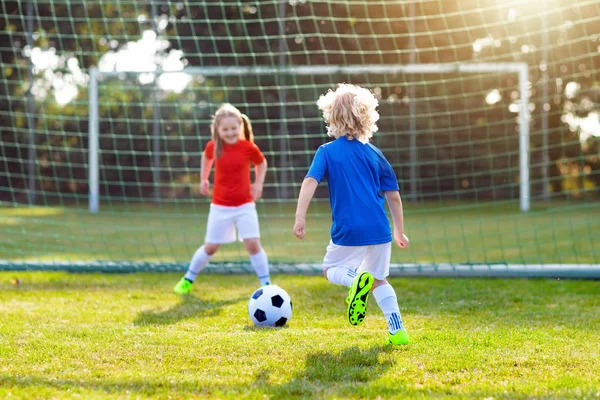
(349, 111)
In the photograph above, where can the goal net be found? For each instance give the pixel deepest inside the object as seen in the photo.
(489, 116)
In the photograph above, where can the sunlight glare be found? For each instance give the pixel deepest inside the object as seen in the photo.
(148, 55)
(493, 97)
(31, 211)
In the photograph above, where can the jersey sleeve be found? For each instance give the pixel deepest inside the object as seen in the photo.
(256, 156)
(209, 150)
(387, 177)
(318, 168)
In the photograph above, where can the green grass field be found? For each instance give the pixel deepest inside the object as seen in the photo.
(563, 232)
(65, 335)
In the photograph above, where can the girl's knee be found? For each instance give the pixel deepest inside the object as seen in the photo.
(210, 248)
(252, 246)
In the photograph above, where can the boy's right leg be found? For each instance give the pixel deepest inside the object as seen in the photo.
(358, 297)
(200, 260)
(358, 294)
(338, 269)
(340, 276)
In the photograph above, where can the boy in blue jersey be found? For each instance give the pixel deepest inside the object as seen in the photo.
(360, 181)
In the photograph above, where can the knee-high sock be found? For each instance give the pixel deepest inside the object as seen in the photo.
(199, 261)
(260, 263)
(341, 276)
(388, 302)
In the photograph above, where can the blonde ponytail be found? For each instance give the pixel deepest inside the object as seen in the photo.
(248, 134)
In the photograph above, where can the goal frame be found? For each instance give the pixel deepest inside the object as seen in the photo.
(520, 68)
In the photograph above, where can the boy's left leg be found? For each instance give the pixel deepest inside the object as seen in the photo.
(388, 303)
(377, 261)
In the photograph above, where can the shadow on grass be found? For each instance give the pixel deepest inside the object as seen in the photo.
(190, 306)
(274, 329)
(330, 374)
(324, 374)
(28, 383)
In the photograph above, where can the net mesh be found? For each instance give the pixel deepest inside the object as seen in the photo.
(452, 138)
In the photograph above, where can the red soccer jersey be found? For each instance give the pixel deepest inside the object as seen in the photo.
(232, 172)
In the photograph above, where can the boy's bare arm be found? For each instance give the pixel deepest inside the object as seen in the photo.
(395, 204)
(307, 191)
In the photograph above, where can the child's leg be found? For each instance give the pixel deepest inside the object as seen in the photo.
(246, 222)
(220, 229)
(343, 276)
(200, 260)
(388, 302)
(259, 260)
(340, 263)
(377, 261)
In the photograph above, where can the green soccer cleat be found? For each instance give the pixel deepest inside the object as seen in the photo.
(183, 286)
(358, 295)
(398, 338)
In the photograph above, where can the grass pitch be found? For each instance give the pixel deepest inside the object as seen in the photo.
(478, 233)
(92, 336)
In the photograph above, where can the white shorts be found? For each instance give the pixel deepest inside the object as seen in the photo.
(223, 221)
(374, 258)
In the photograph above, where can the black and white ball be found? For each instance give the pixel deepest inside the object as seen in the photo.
(270, 306)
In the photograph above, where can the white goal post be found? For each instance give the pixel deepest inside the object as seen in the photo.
(520, 68)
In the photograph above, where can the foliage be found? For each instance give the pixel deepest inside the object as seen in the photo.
(316, 33)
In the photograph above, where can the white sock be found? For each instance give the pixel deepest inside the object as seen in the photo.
(199, 261)
(260, 263)
(388, 302)
(341, 276)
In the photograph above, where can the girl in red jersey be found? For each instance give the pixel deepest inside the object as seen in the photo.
(232, 149)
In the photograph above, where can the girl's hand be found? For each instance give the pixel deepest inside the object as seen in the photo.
(401, 240)
(299, 228)
(256, 191)
(205, 188)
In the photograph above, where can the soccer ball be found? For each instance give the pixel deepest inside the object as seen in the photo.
(270, 306)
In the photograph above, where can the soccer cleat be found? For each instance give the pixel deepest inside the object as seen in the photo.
(358, 295)
(183, 286)
(398, 338)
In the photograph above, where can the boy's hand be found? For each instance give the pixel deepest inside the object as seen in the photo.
(299, 228)
(256, 191)
(205, 188)
(401, 240)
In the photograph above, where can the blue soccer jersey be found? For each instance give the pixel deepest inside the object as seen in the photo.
(357, 175)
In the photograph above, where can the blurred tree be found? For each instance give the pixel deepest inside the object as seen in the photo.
(316, 33)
